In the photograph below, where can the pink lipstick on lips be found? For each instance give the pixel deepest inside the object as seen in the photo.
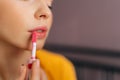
(40, 31)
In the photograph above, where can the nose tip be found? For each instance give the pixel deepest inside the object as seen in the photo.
(43, 12)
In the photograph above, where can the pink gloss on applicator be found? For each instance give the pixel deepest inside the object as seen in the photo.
(34, 39)
(33, 57)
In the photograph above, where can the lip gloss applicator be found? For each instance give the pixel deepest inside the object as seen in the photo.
(33, 56)
(34, 39)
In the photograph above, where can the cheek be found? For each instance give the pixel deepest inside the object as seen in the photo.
(13, 28)
(49, 24)
(14, 34)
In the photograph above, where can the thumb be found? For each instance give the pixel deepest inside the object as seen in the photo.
(35, 75)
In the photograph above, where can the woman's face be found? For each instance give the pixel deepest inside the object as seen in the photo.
(19, 17)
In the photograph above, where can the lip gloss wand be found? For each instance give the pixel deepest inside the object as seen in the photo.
(33, 57)
(34, 44)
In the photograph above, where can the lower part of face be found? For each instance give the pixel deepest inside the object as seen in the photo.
(16, 19)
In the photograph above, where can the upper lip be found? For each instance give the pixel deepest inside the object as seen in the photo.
(43, 28)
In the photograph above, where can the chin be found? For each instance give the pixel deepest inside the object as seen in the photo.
(40, 46)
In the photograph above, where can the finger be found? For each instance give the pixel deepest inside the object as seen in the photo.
(22, 72)
(43, 75)
(35, 72)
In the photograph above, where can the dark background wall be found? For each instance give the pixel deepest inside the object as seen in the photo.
(86, 23)
(89, 32)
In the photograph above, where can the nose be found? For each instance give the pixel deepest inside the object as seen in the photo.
(42, 11)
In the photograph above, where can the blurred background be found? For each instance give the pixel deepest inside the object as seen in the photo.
(87, 32)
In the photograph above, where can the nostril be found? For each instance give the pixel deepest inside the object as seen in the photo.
(43, 16)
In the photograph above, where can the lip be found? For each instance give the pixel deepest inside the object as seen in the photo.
(41, 31)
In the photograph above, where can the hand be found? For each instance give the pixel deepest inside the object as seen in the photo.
(37, 73)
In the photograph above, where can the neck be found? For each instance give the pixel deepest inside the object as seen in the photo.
(11, 58)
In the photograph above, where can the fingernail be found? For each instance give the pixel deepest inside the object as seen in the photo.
(38, 62)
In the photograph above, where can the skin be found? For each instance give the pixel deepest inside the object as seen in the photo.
(17, 17)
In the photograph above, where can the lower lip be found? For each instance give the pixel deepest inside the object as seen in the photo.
(41, 35)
